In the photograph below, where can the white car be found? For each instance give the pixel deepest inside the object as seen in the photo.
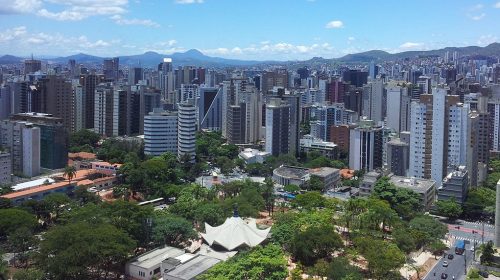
(445, 264)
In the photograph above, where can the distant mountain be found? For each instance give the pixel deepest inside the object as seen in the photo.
(10, 59)
(151, 59)
(197, 58)
(376, 55)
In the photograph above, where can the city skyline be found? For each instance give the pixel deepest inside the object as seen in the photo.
(257, 30)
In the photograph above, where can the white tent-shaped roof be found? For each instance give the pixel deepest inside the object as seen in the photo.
(235, 232)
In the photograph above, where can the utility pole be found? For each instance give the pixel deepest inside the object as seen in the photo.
(465, 261)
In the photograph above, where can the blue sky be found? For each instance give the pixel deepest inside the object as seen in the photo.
(244, 29)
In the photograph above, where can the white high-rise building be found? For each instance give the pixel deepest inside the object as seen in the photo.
(31, 151)
(160, 132)
(440, 135)
(79, 110)
(398, 108)
(373, 97)
(186, 129)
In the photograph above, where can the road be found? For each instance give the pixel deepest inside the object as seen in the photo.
(456, 266)
(472, 233)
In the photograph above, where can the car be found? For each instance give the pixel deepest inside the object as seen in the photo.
(445, 263)
(484, 274)
(450, 257)
(444, 275)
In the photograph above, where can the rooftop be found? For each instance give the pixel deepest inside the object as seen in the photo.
(31, 184)
(192, 268)
(323, 171)
(417, 185)
(291, 172)
(156, 256)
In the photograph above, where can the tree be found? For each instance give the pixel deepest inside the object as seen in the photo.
(309, 200)
(405, 242)
(426, 229)
(383, 257)
(406, 202)
(488, 253)
(84, 251)
(315, 184)
(267, 192)
(291, 189)
(437, 247)
(29, 274)
(12, 219)
(480, 202)
(172, 230)
(259, 263)
(210, 213)
(449, 208)
(20, 241)
(4, 269)
(69, 172)
(55, 203)
(314, 243)
(80, 140)
(340, 268)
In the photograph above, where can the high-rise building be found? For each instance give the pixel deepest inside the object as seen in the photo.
(54, 138)
(497, 216)
(398, 153)
(89, 83)
(210, 108)
(438, 120)
(277, 78)
(31, 151)
(340, 136)
(111, 111)
(186, 130)
(455, 186)
(398, 108)
(22, 140)
(79, 105)
(277, 127)
(160, 132)
(111, 68)
(365, 150)
(135, 74)
(373, 101)
(336, 90)
(5, 106)
(5, 167)
(31, 66)
(56, 98)
(20, 97)
(356, 78)
(236, 124)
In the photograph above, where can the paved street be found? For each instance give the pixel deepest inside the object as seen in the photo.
(456, 266)
(471, 231)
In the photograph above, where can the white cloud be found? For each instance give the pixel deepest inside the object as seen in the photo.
(411, 45)
(12, 34)
(274, 51)
(24, 42)
(189, 1)
(497, 5)
(334, 24)
(485, 40)
(19, 6)
(477, 17)
(118, 19)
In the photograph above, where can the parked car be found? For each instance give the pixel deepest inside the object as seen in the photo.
(450, 257)
(444, 275)
(445, 263)
(484, 274)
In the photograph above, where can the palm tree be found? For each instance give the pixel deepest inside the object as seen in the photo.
(69, 172)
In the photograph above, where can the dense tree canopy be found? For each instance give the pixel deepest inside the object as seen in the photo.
(84, 140)
(259, 263)
(405, 201)
(449, 208)
(315, 242)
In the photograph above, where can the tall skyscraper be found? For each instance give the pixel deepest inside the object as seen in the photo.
(398, 153)
(5, 106)
(56, 98)
(31, 66)
(54, 138)
(160, 132)
(365, 150)
(135, 74)
(398, 108)
(440, 134)
(277, 78)
(277, 127)
(356, 78)
(89, 83)
(210, 108)
(111, 110)
(111, 68)
(186, 129)
(373, 101)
